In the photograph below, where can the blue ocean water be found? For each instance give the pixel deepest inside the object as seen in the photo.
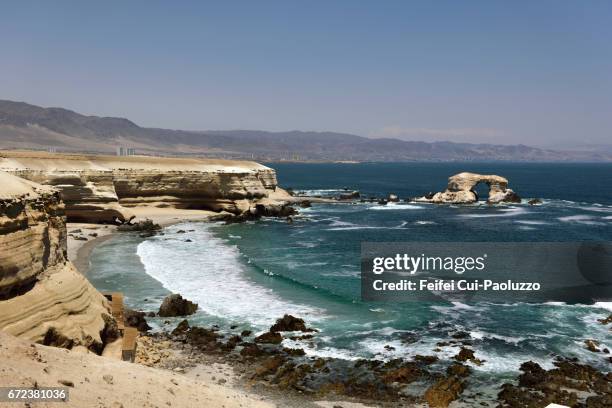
(252, 273)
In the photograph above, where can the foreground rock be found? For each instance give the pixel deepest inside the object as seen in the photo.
(570, 383)
(43, 298)
(460, 190)
(424, 380)
(174, 305)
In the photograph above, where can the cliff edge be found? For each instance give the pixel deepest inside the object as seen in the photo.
(43, 298)
(104, 188)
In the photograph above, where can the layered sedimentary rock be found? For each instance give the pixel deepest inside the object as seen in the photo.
(102, 188)
(89, 195)
(460, 190)
(42, 296)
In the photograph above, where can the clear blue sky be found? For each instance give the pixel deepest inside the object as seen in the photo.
(536, 72)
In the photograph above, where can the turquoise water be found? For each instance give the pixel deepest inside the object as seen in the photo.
(250, 274)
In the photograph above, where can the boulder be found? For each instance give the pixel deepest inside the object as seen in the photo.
(444, 391)
(606, 320)
(349, 195)
(565, 384)
(134, 318)
(140, 226)
(182, 327)
(290, 323)
(592, 345)
(466, 354)
(269, 338)
(175, 305)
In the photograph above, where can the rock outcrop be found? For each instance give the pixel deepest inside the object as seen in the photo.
(103, 188)
(460, 190)
(43, 298)
(174, 305)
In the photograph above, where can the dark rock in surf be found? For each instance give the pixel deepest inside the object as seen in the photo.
(349, 196)
(174, 305)
(181, 328)
(535, 201)
(135, 318)
(290, 323)
(269, 338)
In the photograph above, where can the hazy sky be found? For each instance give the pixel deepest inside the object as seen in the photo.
(535, 72)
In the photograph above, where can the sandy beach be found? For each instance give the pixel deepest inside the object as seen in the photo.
(83, 237)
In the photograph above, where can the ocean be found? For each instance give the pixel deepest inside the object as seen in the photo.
(251, 274)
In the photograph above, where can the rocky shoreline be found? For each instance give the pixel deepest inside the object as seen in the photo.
(263, 363)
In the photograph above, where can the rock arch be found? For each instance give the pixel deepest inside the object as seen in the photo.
(460, 190)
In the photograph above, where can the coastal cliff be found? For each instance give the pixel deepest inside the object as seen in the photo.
(43, 298)
(103, 188)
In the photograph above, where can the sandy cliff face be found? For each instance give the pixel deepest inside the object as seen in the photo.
(101, 188)
(89, 195)
(42, 296)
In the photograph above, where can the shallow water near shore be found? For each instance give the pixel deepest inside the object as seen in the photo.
(250, 274)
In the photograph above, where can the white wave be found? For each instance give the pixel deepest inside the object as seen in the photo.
(532, 222)
(604, 305)
(505, 212)
(307, 244)
(425, 222)
(402, 225)
(551, 303)
(356, 227)
(581, 219)
(506, 363)
(597, 208)
(338, 225)
(313, 350)
(394, 206)
(210, 273)
(480, 335)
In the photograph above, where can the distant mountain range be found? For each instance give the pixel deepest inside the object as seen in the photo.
(25, 126)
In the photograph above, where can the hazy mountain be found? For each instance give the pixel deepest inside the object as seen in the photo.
(32, 127)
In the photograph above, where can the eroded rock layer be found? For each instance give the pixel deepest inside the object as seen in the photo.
(102, 188)
(42, 296)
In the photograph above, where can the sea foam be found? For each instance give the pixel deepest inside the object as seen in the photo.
(210, 273)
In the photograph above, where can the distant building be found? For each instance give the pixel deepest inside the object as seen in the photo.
(126, 151)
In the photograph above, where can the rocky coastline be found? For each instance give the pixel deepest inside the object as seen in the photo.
(44, 299)
(262, 362)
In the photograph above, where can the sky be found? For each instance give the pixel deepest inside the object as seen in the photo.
(532, 72)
